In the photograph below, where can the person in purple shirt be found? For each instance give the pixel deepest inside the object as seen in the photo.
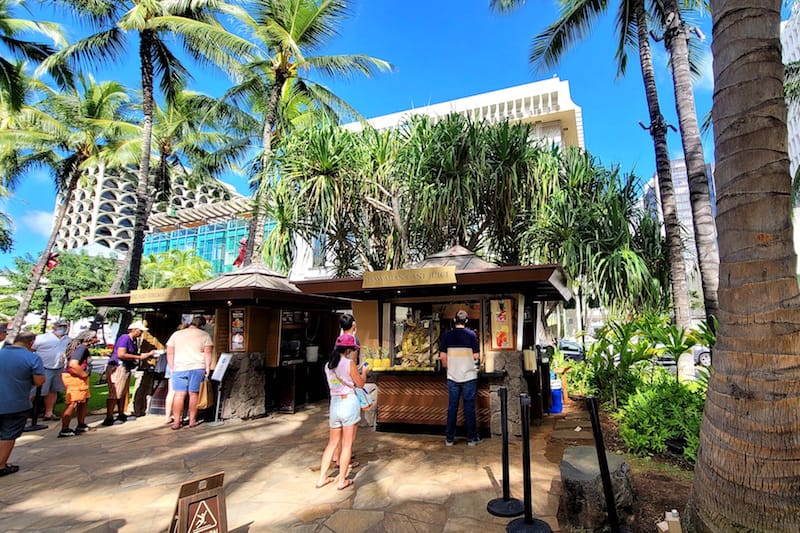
(20, 369)
(123, 359)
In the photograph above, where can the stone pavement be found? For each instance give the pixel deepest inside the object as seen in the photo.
(125, 478)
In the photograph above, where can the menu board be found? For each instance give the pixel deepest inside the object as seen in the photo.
(237, 330)
(501, 322)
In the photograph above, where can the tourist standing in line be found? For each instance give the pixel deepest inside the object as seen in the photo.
(189, 358)
(347, 323)
(460, 353)
(20, 369)
(76, 381)
(118, 371)
(50, 348)
(343, 376)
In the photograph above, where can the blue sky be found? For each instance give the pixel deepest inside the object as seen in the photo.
(441, 51)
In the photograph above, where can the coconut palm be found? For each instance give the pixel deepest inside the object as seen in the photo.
(676, 39)
(154, 23)
(287, 33)
(747, 466)
(11, 80)
(66, 133)
(175, 268)
(574, 21)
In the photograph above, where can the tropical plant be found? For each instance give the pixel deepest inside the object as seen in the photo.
(549, 46)
(753, 397)
(286, 34)
(155, 24)
(175, 268)
(65, 133)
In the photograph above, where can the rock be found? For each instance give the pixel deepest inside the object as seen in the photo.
(243, 388)
(583, 503)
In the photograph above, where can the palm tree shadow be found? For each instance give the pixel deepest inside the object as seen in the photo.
(108, 527)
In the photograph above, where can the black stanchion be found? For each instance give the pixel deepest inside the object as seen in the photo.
(505, 506)
(34, 425)
(605, 476)
(528, 523)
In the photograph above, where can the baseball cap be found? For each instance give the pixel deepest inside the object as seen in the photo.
(60, 323)
(347, 341)
(137, 325)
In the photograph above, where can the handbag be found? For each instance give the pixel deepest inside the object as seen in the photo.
(204, 396)
(364, 399)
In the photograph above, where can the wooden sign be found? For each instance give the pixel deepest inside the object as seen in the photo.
(200, 507)
(410, 277)
(146, 296)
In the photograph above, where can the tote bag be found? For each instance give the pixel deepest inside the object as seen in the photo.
(204, 396)
(364, 399)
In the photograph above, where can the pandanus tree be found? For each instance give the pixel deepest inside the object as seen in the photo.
(66, 133)
(150, 26)
(749, 458)
(288, 35)
(574, 21)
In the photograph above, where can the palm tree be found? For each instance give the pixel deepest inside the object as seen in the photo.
(676, 39)
(747, 466)
(66, 133)
(154, 23)
(175, 268)
(12, 82)
(575, 19)
(286, 33)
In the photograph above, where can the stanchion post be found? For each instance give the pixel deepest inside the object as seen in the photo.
(528, 523)
(505, 506)
(34, 425)
(605, 476)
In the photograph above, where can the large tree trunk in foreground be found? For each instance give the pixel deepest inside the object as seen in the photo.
(747, 476)
(677, 41)
(669, 207)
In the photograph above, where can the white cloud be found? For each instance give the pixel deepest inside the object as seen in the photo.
(706, 80)
(37, 222)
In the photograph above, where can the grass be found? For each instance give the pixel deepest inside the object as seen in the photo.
(97, 401)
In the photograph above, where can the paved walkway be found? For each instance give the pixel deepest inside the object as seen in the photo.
(125, 478)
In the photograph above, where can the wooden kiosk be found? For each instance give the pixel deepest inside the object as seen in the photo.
(273, 331)
(401, 314)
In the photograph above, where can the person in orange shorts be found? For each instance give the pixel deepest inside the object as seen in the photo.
(76, 381)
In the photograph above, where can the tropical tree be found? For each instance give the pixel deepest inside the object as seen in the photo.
(676, 38)
(12, 82)
(175, 268)
(287, 34)
(574, 21)
(154, 23)
(749, 460)
(65, 133)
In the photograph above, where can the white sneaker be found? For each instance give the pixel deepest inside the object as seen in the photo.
(448, 442)
(473, 442)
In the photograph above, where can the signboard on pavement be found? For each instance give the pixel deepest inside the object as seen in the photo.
(200, 507)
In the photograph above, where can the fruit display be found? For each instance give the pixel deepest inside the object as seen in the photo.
(418, 344)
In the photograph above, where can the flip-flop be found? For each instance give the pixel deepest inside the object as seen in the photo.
(174, 427)
(195, 424)
(9, 469)
(327, 481)
(354, 464)
(347, 483)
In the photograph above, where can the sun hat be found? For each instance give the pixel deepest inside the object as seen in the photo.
(347, 341)
(137, 325)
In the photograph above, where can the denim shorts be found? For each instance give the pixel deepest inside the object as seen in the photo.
(345, 411)
(188, 380)
(52, 382)
(12, 424)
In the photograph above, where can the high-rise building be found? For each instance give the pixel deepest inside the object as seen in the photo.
(790, 41)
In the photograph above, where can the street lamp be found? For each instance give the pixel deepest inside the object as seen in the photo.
(48, 297)
(64, 302)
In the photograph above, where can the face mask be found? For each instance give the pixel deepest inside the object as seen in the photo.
(61, 331)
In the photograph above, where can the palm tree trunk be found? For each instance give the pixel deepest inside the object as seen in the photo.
(143, 186)
(676, 39)
(669, 208)
(38, 270)
(748, 465)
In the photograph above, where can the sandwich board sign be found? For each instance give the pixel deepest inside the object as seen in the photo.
(200, 507)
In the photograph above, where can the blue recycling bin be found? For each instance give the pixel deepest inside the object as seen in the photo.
(556, 398)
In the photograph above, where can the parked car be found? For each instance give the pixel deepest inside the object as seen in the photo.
(572, 350)
(702, 355)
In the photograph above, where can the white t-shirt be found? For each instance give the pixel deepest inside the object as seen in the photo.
(51, 349)
(189, 345)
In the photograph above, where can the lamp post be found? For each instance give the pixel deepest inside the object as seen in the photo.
(64, 302)
(37, 399)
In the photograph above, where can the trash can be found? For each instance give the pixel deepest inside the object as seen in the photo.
(556, 398)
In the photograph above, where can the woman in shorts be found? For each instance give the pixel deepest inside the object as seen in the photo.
(343, 376)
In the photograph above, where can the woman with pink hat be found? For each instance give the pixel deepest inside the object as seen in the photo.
(343, 377)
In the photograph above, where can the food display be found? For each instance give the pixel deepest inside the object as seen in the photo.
(418, 344)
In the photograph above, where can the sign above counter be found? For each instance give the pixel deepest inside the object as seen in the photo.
(409, 277)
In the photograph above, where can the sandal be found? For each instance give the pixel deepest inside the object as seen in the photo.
(9, 469)
(347, 483)
(175, 427)
(327, 480)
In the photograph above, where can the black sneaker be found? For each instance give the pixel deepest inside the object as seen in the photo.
(66, 433)
(107, 422)
(82, 428)
(122, 419)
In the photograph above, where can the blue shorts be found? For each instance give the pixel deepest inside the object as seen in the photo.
(187, 380)
(52, 382)
(345, 411)
(12, 424)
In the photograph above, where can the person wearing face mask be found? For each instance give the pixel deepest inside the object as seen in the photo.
(50, 348)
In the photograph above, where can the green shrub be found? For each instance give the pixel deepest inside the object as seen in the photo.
(581, 379)
(659, 411)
